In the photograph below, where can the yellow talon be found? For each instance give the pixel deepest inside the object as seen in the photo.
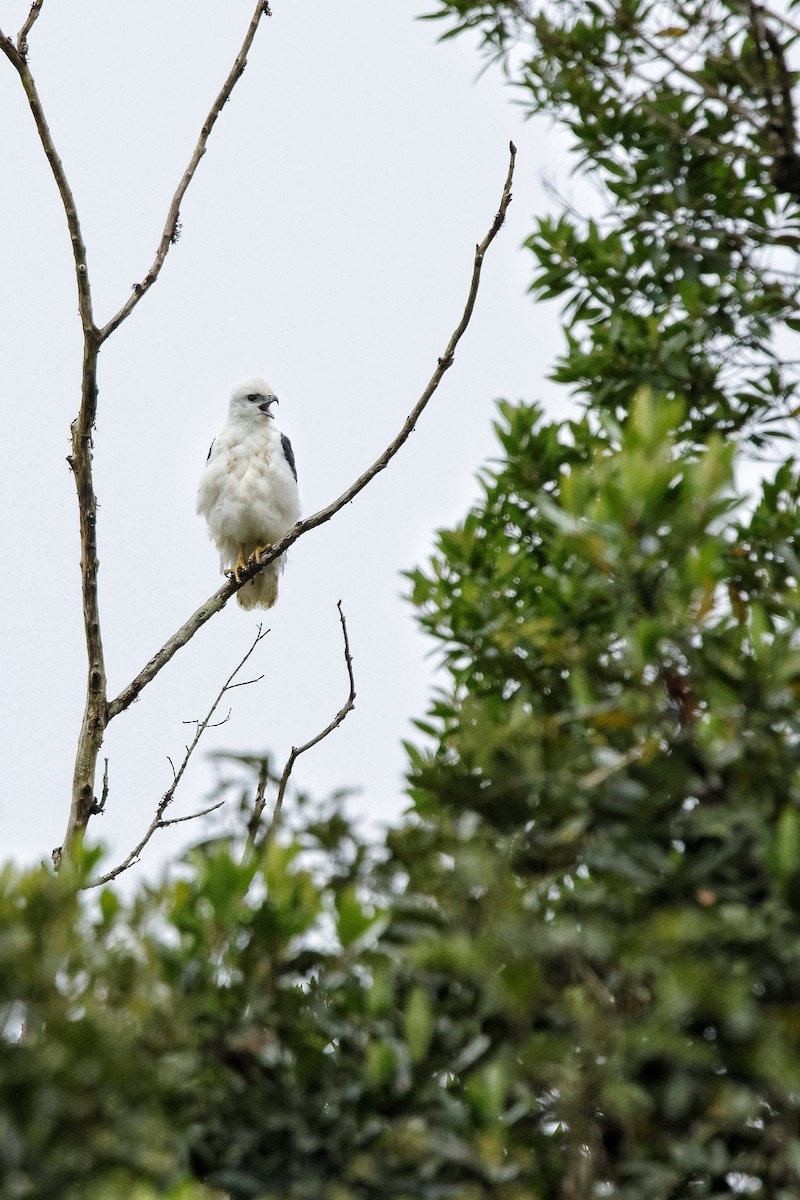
(240, 566)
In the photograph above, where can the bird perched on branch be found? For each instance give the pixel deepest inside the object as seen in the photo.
(248, 490)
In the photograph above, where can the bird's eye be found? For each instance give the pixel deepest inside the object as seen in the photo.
(255, 396)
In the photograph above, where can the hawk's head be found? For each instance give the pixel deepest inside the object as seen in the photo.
(252, 396)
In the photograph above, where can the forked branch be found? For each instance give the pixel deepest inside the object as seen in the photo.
(22, 36)
(296, 751)
(159, 821)
(221, 597)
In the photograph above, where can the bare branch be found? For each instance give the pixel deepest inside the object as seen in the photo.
(221, 597)
(227, 717)
(203, 725)
(296, 751)
(101, 804)
(258, 807)
(22, 36)
(159, 821)
(95, 714)
(243, 683)
(133, 857)
(83, 802)
(17, 60)
(171, 226)
(67, 199)
(195, 816)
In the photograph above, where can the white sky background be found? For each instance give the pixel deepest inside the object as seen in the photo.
(327, 244)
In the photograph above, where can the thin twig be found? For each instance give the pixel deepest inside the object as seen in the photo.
(101, 804)
(203, 725)
(258, 806)
(223, 594)
(227, 717)
(159, 821)
(295, 753)
(22, 36)
(17, 60)
(170, 232)
(201, 812)
(133, 857)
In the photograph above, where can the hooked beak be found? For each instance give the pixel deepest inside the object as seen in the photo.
(265, 406)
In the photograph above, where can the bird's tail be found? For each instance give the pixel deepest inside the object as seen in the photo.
(261, 592)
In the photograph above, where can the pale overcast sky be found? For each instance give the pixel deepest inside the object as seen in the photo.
(326, 244)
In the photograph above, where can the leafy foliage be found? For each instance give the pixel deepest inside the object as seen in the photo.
(246, 1028)
(83, 1099)
(681, 114)
(618, 765)
(612, 777)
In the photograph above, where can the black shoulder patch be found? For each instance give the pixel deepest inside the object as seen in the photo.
(210, 448)
(289, 454)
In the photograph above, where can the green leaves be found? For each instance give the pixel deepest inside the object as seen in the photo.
(418, 1023)
(621, 743)
(676, 282)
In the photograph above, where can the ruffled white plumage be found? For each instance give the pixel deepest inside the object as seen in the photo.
(248, 493)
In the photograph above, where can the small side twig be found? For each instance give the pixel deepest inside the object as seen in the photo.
(22, 36)
(258, 806)
(295, 753)
(193, 816)
(159, 821)
(223, 594)
(100, 805)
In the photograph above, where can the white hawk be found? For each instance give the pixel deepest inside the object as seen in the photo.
(248, 491)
